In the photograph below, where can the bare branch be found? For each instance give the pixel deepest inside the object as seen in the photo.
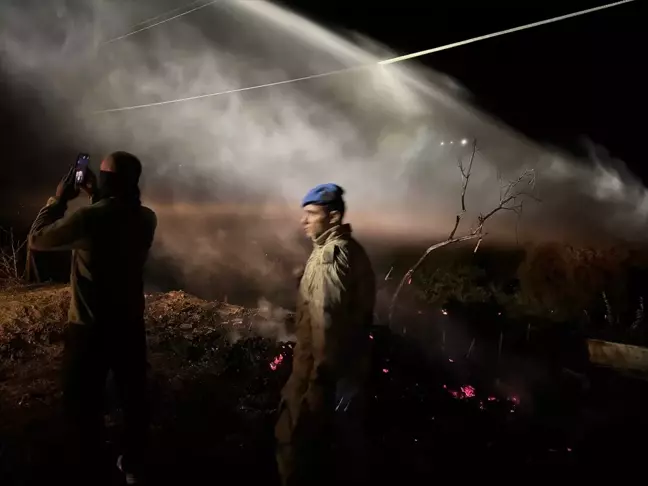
(509, 197)
(465, 175)
(411, 271)
(481, 237)
(10, 255)
(517, 224)
(509, 200)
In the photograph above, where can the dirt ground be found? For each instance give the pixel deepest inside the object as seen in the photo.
(216, 372)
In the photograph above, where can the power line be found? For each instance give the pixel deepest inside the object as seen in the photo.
(364, 66)
(237, 90)
(503, 32)
(164, 14)
(137, 31)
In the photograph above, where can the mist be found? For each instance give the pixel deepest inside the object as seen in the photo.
(225, 173)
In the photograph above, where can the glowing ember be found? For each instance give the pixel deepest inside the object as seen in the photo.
(468, 391)
(451, 360)
(444, 312)
(385, 370)
(371, 336)
(274, 364)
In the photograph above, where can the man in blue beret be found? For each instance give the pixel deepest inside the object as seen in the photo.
(319, 431)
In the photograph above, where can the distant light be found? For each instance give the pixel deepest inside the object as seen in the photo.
(451, 143)
(444, 312)
(442, 143)
(464, 142)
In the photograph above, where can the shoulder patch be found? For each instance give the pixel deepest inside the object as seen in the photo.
(335, 253)
(329, 253)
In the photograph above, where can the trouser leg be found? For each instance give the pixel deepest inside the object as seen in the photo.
(129, 366)
(352, 452)
(84, 375)
(285, 451)
(304, 444)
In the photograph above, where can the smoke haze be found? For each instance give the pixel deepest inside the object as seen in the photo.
(225, 174)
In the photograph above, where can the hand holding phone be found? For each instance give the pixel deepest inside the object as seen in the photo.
(81, 169)
(67, 188)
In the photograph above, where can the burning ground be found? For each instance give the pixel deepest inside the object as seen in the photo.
(216, 372)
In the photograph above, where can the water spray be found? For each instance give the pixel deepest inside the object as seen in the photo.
(137, 31)
(348, 69)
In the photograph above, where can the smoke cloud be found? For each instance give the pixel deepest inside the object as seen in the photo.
(225, 174)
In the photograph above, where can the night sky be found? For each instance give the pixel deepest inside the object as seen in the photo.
(560, 83)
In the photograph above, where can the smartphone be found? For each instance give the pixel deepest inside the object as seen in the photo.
(80, 168)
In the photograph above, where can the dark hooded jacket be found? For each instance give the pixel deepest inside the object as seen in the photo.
(110, 240)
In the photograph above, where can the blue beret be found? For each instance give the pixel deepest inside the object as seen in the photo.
(324, 195)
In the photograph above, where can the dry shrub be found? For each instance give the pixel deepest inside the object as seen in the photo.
(33, 318)
(178, 309)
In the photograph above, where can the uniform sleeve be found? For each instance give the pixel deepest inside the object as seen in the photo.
(332, 307)
(53, 231)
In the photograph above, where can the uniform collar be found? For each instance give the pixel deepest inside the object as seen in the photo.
(334, 233)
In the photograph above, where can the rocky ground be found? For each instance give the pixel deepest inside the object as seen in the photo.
(216, 371)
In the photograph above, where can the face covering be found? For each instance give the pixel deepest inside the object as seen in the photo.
(111, 185)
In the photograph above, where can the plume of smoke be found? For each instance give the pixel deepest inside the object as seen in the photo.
(274, 322)
(225, 173)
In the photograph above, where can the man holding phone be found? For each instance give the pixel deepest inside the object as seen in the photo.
(110, 240)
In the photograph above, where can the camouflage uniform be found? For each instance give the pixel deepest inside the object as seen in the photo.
(331, 359)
